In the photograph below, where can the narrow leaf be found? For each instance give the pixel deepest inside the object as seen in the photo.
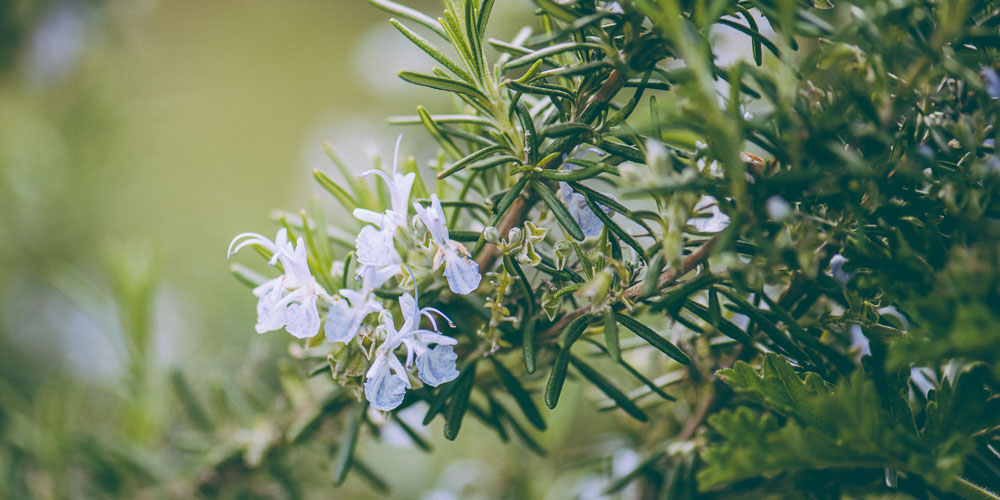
(559, 210)
(646, 333)
(608, 388)
(459, 403)
(409, 13)
(520, 395)
(471, 157)
(345, 452)
(440, 83)
(345, 199)
(611, 335)
(557, 377)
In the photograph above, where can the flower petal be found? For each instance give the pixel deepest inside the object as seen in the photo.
(462, 272)
(343, 322)
(384, 391)
(376, 247)
(437, 366)
(270, 314)
(302, 318)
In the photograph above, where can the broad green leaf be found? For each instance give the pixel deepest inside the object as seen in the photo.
(779, 387)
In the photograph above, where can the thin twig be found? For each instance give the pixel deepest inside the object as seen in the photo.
(519, 209)
(635, 291)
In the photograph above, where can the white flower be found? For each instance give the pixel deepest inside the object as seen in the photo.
(399, 194)
(387, 378)
(777, 208)
(346, 314)
(461, 271)
(715, 222)
(290, 300)
(376, 249)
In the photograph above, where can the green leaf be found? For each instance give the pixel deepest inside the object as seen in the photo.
(557, 377)
(559, 210)
(520, 395)
(652, 386)
(412, 434)
(192, 405)
(435, 131)
(611, 335)
(471, 157)
(725, 326)
(608, 389)
(345, 199)
(345, 452)
(433, 51)
(502, 206)
(654, 339)
(440, 83)
(409, 13)
(609, 202)
(556, 10)
(615, 228)
(779, 387)
(455, 412)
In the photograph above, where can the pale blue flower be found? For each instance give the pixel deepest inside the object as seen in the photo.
(346, 315)
(387, 381)
(837, 268)
(577, 203)
(716, 220)
(289, 301)
(588, 221)
(777, 208)
(461, 271)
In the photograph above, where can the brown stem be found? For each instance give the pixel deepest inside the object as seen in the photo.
(519, 209)
(670, 275)
(515, 216)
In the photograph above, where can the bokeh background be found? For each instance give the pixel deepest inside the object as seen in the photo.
(136, 139)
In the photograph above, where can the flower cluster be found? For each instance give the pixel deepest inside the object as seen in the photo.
(296, 301)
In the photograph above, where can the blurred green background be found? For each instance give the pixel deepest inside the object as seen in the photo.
(136, 139)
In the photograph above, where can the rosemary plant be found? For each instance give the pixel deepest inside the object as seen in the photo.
(804, 241)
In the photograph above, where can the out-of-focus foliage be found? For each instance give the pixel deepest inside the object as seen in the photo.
(782, 268)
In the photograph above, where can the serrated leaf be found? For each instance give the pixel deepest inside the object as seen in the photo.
(779, 387)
